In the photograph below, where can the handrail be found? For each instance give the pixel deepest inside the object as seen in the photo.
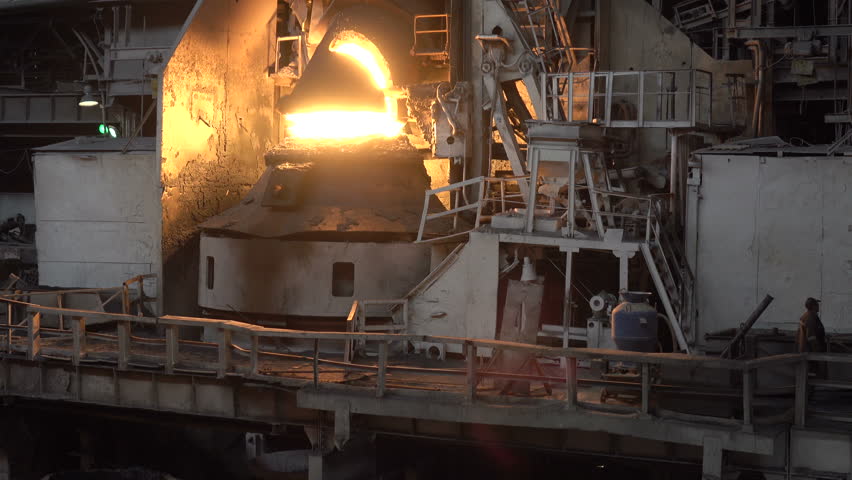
(484, 183)
(122, 291)
(442, 32)
(31, 346)
(597, 93)
(274, 332)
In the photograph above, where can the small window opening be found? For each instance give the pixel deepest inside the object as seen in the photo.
(343, 279)
(210, 266)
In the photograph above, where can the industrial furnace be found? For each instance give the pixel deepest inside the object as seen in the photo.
(323, 226)
(333, 217)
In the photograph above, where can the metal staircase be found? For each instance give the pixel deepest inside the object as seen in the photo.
(662, 251)
(607, 215)
(673, 279)
(546, 33)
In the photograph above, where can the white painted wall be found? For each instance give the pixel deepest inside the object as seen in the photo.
(463, 301)
(639, 38)
(776, 225)
(294, 278)
(98, 217)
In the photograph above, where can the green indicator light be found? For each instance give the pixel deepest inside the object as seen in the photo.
(113, 132)
(102, 129)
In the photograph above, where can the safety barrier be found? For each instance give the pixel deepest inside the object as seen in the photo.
(257, 360)
(661, 98)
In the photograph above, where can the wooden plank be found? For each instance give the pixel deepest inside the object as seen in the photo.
(78, 335)
(55, 292)
(348, 346)
(383, 364)
(125, 300)
(353, 312)
(9, 322)
(571, 382)
(224, 352)
(316, 363)
(34, 337)
(123, 344)
(801, 401)
(200, 322)
(254, 354)
(579, 353)
(471, 377)
(59, 302)
(776, 360)
(172, 346)
(88, 314)
(828, 357)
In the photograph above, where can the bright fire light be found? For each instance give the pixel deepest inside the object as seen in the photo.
(331, 124)
(341, 124)
(367, 55)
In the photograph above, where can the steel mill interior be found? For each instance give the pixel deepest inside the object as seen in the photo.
(426, 239)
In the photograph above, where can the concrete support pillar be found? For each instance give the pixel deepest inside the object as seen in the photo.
(623, 268)
(341, 425)
(711, 467)
(315, 466)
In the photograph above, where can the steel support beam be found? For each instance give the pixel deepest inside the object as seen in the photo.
(791, 32)
(453, 408)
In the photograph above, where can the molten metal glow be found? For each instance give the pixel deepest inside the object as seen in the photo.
(342, 124)
(367, 55)
(331, 124)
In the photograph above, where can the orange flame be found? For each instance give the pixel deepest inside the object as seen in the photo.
(339, 124)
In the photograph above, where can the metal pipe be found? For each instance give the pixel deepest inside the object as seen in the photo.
(748, 324)
(757, 50)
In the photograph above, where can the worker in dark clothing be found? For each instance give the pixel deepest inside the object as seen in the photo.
(811, 337)
(811, 332)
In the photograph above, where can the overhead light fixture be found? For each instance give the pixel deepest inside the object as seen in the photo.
(88, 99)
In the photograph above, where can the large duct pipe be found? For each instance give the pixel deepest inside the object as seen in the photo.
(757, 51)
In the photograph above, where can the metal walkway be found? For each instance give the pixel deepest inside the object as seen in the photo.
(279, 376)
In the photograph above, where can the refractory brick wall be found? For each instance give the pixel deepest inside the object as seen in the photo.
(217, 122)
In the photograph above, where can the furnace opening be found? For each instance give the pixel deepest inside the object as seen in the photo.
(323, 124)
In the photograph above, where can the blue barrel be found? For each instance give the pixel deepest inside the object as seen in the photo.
(634, 323)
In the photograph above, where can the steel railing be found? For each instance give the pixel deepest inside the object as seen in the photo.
(506, 197)
(659, 98)
(431, 35)
(255, 360)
